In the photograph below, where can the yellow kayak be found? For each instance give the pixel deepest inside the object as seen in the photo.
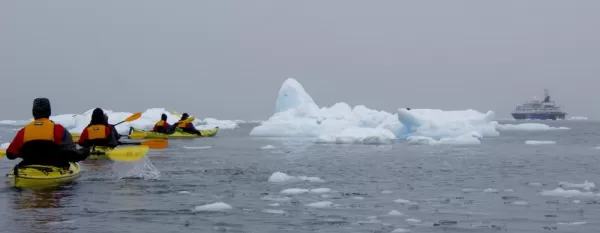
(34, 176)
(99, 149)
(142, 134)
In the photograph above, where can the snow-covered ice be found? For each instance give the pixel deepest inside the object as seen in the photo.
(320, 190)
(271, 211)
(395, 213)
(527, 127)
(293, 191)
(320, 204)
(298, 115)
(534, 142)
(559, 192)
(219, 206)
(578, 118)
(280, 177)
(585, 185)
(75, 123)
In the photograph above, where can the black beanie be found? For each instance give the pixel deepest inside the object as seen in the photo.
(184, 116)
(97, 117)
(41, 108)
(163, 117)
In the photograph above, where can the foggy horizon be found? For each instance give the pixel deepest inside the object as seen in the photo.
(228, 61)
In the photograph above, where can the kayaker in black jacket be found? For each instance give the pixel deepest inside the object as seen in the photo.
(99, 132)
(44, 142)
(184, 126)
(162, 126)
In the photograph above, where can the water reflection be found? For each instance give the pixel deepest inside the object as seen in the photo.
(37, 210)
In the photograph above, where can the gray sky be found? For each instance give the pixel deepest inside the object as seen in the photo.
(227, 59)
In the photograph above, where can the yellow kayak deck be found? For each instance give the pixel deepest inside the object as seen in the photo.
(142, 134)
(34, 176)
(99, 149)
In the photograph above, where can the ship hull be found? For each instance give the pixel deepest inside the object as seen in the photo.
(539, 116)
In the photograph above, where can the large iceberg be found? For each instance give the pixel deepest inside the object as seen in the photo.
(75, 123)
(298, 115)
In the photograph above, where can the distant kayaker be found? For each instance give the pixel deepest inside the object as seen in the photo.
(43, 142)
(99, 132)
(185, 126)
(162, 126)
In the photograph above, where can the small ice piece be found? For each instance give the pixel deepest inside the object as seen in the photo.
(219, 206)
(293, 191)
(490, 190)
(520, 203)
(386, 192)
(571, 223)
(586, 185)
(274, 204)
(184, 192)
(358, 198)
(395, 213)
(509, 191)
(413, 220)
(320, 204)
(267, 147)
(535, 184)
(320, 190)
(271, 211)
(402, 201)
(576, 201)
(400, 230)
(559, 192)
(534, 142)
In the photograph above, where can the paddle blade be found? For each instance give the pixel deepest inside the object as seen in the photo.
(133, 117)
(190, 119)
(127, 154)
(156, 143)
(2, 153)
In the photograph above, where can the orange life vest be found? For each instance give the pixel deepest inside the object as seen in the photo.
(40, 129)
(160, 123)
(182, 124)
(97, 132)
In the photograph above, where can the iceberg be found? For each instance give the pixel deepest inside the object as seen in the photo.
(75, 123)
(298, 115)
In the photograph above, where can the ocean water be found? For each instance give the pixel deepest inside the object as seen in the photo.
(497, 186)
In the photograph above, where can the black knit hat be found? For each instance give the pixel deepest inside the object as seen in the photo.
(41, 108)
(163, 117)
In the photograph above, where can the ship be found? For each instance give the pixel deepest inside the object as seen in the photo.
(539, 110)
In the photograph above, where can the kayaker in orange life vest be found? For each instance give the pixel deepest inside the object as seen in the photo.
(99, 132)
(162, 126)
(44, 142)
(187, 127)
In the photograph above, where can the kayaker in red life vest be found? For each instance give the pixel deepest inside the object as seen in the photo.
(99, 132)
(162, 126)
(187, 127)
(43, 142)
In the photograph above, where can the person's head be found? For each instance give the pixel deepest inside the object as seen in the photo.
(163, 117)
(41, 108)
(105, 118)
(98, 117)
(184, 116)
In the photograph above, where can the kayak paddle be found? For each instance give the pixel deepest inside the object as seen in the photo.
(125, 154)
(131, 118)
(2, 153)
(152, 143)
(189, 119)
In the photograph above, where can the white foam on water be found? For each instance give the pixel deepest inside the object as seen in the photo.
(528, 127)
(142, 169)
(214, 207)
(297, 115)
(320, 190)
(271, 211)
(533, 142)
(320, 204)
(293, 191)
(585, 185)
(395, 213)
(196, 147)
(267, 147)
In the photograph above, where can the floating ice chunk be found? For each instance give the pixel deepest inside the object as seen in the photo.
(386, 192)
(472, 138)
(60, 222)
(578, 118)
(5, 145)
(586, 185)
(270, 211)
(520, 203)
(533, 142)
(184, 192)
(196, 147)
(527, 127)
(280, 177)
(274, 204)
(571, 223)
(325, 196)
(402, 201)
(293, 191)
(219, 206)
(534, 184)
(576, 201)
(395, 213)
(275, 198)
(267, 147)
(413, 220)
(490, 190)
(369, 136)
(320, 204)
(320, 190)
(509, 191)
(559, 192)
(400, 230)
